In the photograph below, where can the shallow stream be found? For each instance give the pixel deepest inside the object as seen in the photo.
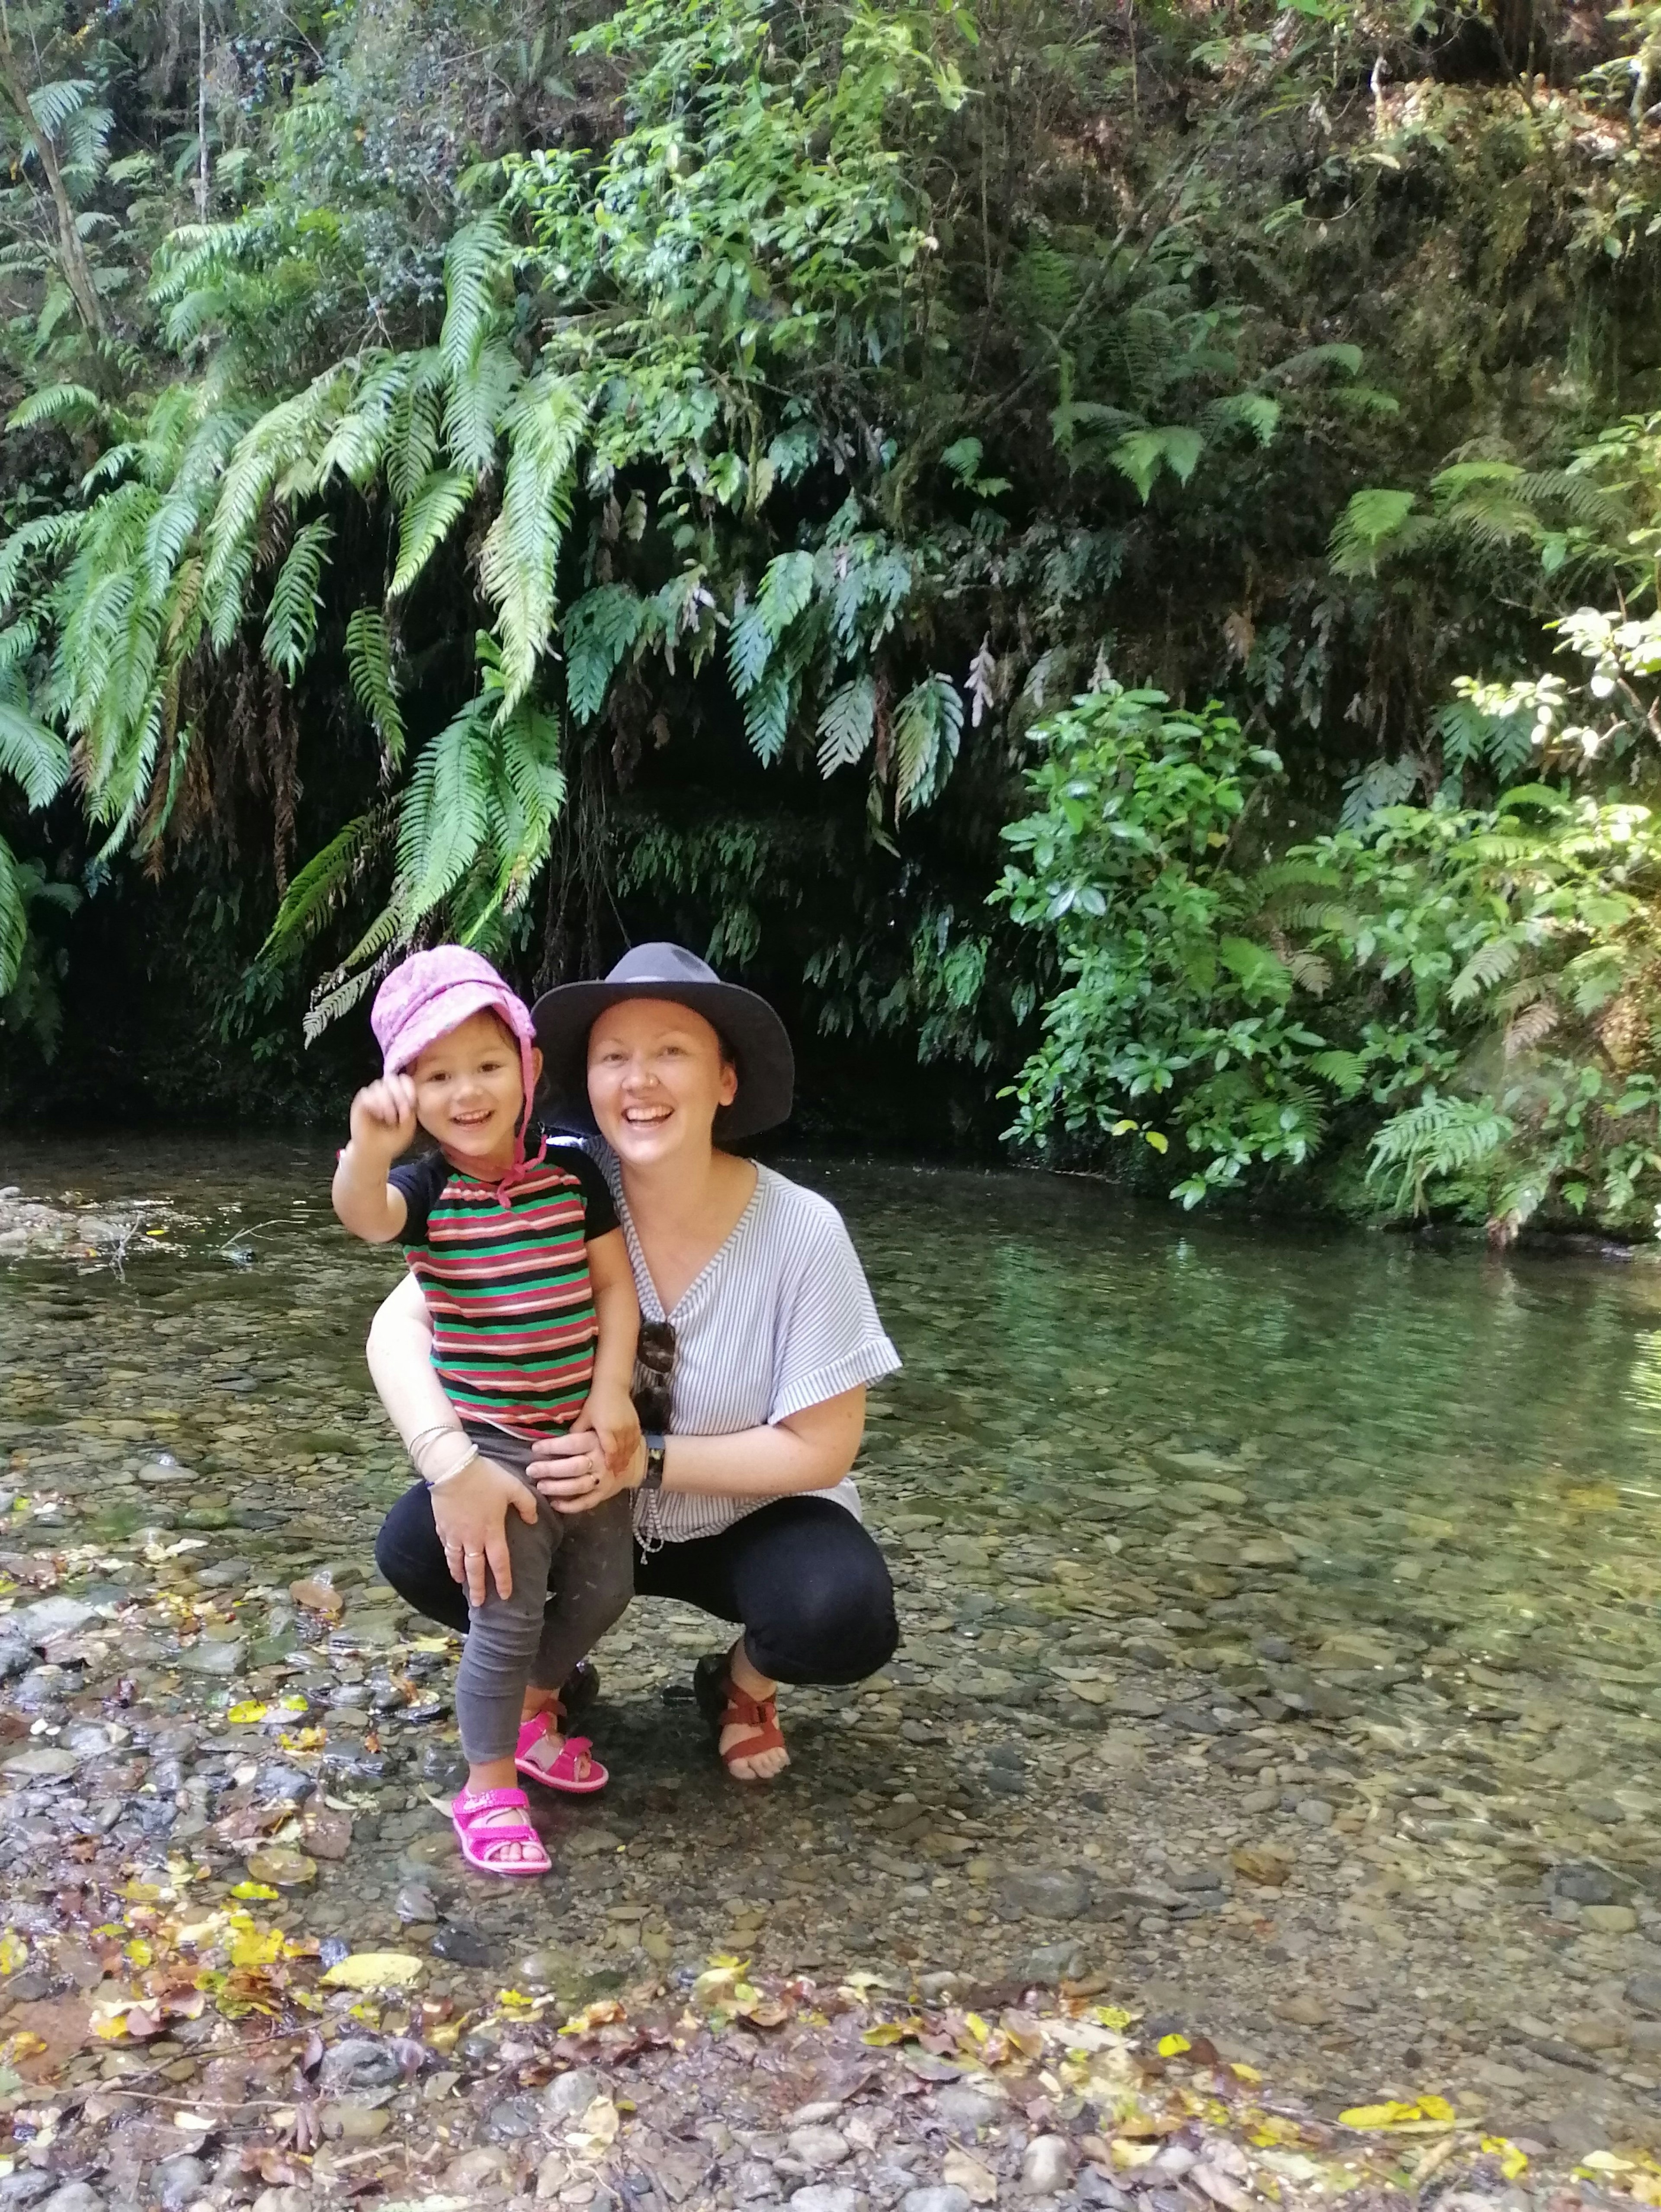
(1281, 1643)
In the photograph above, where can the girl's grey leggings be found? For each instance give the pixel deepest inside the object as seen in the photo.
(574, 1574)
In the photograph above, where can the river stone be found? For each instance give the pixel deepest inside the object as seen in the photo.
(1043, 1892)
(1584, 1883)
(179, 2181)
(822, 2197)
(946, 2198)
(157, 1474)
(1644, 1993)
(1608, 1920)
(359, 2062)
(287, 1870)
(48, 1617)
(963, 2109)
(16, 1657)
(206, 1658)
(44, 1763)
(569, 2096)
(1047, 2165)
(74, 2196)
(461, 1943)
(818, 2147)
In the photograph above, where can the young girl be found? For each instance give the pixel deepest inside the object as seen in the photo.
(516, 1243)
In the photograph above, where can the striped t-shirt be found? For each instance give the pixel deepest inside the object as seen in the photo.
(782, 1318)
(505, 1275)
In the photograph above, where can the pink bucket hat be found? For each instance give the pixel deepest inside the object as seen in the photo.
(431, 993)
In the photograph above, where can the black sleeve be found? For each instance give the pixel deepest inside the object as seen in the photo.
(599, 1214)
(420, 1181)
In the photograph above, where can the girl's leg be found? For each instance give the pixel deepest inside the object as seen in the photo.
(502, 1635)
(591, 1580)
(808, 1583)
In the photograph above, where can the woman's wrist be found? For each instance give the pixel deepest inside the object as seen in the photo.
(438, 1455)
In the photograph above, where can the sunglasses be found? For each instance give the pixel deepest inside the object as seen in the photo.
(655, 1361)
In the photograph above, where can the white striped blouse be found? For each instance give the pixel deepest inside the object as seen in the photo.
(780, 1319)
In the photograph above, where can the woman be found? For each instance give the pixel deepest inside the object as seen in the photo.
(753, 1295)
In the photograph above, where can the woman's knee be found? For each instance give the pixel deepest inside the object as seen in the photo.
(833, 1623)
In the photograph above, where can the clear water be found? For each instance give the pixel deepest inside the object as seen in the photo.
(1173, 1506)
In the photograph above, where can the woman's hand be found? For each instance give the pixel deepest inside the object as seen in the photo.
(572, 1474)
(470, 1511)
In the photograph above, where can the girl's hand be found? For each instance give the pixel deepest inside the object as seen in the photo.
(384, 1117)
(572, 1472)
(470, 1511)
(610, 1414)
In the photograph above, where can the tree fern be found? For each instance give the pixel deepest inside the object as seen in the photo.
(1440, 1137)
(291, 617)
(477, 263)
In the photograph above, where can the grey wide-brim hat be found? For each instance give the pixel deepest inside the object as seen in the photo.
(752, 1031)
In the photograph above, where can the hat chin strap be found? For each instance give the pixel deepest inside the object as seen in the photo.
(520, 1167)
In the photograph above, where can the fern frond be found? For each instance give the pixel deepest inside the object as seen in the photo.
(14, 919)
(597, 631)
(478, 263)
(58, 403)
(1489, 964)
(370, 664)
(426, 522)
(320, 888)
(291, 617)
(34, 755)
(846, 722)
(544, 427)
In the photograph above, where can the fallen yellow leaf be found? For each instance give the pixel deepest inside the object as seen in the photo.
(373, 1970)
(260, 1890)
(12, 1951)
(1172, 2046)
(249, 1710)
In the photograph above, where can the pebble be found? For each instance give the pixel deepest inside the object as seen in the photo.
(946, 2198)
(358, 2063)
(461, 1943)
(569, 2096)
(179, 2181)
(963, 2110)
(1047, 2165)
(1044, 1892)
(824, 2197)
(73, 2197)
(816, 2148)
(1316, 1812)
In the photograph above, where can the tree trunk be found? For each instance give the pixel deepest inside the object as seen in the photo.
(76, 274)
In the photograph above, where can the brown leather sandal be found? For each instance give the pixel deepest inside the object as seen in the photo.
(724, 1705)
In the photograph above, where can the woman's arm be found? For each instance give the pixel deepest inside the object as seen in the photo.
(809, 1450)
(470, 1507)
(609, 1411)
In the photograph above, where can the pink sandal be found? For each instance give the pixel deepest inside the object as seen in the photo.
(574, 1771)
(483, 1838)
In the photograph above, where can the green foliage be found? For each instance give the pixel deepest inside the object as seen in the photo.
(1483, 981)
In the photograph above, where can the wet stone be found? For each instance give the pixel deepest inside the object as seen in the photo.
(946, 2198)
(817, 2148)
(824, 2197)
(179, 2181)
(513, 2119)
(1044, 1892)
(569, 2096)
(359, 2063)
(963, 2110)
(460, 1942)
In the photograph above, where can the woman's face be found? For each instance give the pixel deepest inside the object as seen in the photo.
(656, 1077)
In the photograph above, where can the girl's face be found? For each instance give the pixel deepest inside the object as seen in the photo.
(469, 1091)
(656, 1077)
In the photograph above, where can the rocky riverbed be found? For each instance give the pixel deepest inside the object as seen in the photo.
(1224, 1737)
